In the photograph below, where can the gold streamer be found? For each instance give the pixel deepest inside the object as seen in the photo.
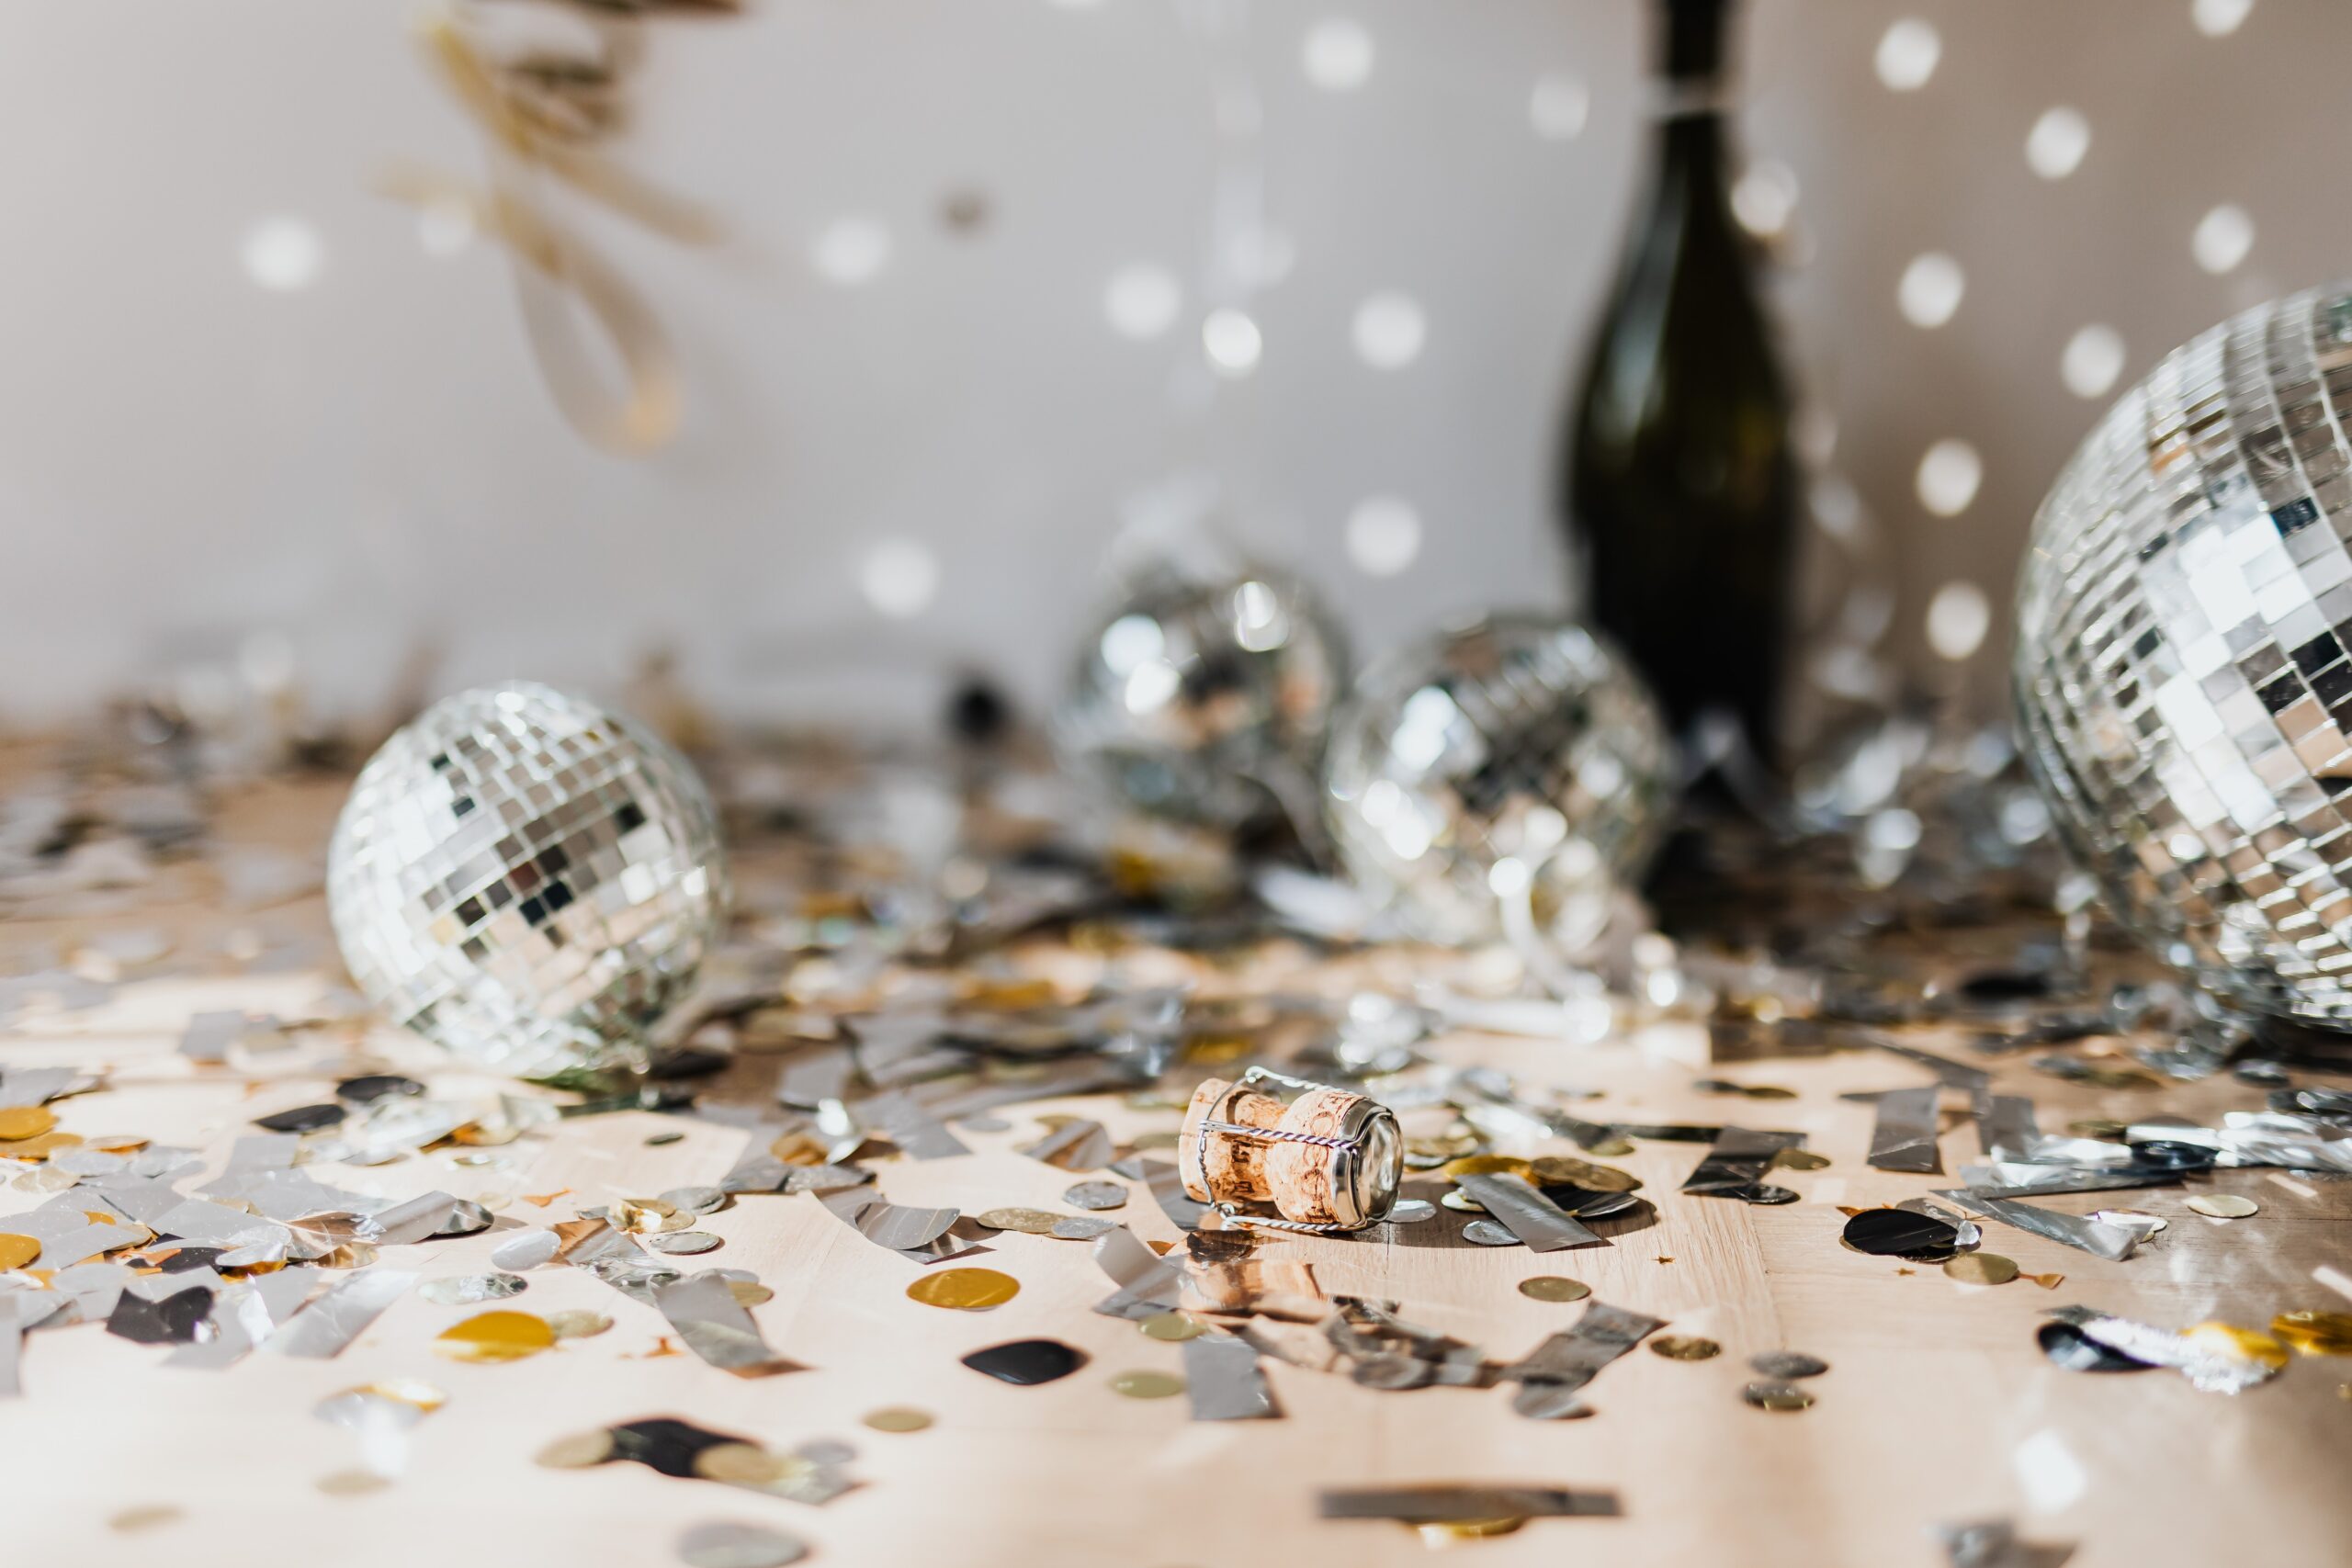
(645, 415)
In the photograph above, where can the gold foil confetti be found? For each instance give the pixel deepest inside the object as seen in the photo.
(1172, 1326)
(2315, 1333)
(2223, 1205)
(1553, 1288)
(965, 1289)
(1147, 1384)
(1982, 1269)
(897, 1419)
(16, 1251)
(18, 1123)
(577, 1452)
(1685, 1348)
(1032, 1222)
(496, 1336)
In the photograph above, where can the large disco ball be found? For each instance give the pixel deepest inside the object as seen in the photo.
(527, 878)
(2180, 672)
(1519, 738)
(1206, 697)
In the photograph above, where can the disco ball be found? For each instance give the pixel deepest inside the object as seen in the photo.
(1517, 752)
(2180, 672)
(1206, 698)
(527, 878)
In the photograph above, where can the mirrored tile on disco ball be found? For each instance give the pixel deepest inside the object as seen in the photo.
(527, 878)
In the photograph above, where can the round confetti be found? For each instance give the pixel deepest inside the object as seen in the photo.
(577, 1452)
(1787, 1366)
(16, 1251)
(465, 1289)
(1800, 1159)
(1486, 1233)
(1899, 1232)
(1486, 1165)
(1080, 1227)
(1172, 1326)
(1982, 1269)
(1553, 1171)
(1147, 1385)
(729, 1545)
(1027, 1362)
(525, 1249)
(1685, 1348)
(1462, 1202)
(749, 1292)
(696, 1199)
(1776, 1396)
(1553, 1288)
(21, 1121)
(2223, 1205)
(748, 1464)
(685, 1242)
(496, 1336)
(2168, 1153)
(374, 1087)
(352, 1483)
(1033, 1221)
(1096, 1195)
(897, 1419)
(965, 1289)
(1411, 1212)
(574, 1323)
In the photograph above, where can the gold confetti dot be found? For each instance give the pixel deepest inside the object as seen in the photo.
(16, 1251)
(965, 1289)
(1147, 1384)
(2223, 1205)
(897, 1419)
(577, 1452)
(20, 1122)
(1171, 1327)
(1982, 1269)
(496, 1336)
(1553, 1288)
(1685, 1348)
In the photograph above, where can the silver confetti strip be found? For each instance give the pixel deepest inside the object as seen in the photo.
(907, 1124)
(2007, 1180)
(1542, 1224)
(1075, 1146)
(34, 1086)
(2072, 1230)
(923, 1236)
(1948, 1073)
(1736, 1165)
(1993, 1543)
(242, 1316)
(2207, 1370)
(321, 1329)
(1147, 1283)
(2006, 1129)
(1167, 1185)
(419, 1219)
(1905, 1136)
(1223, 1380)
(1569, 1360)
(525, 1249)
(715, 1326)
(216, 1224)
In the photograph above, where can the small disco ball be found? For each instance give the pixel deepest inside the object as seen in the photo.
(1206, 699)
(1516, 755)
(2181, 675)
(527, 879)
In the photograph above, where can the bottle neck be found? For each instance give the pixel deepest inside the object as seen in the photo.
(1693, 77)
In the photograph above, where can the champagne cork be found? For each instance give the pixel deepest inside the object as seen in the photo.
(1235, 1166)
(1344, 1184)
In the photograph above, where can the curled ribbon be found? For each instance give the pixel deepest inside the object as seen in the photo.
(644, 415)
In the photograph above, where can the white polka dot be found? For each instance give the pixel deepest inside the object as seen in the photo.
(2094, 358)
(1958, 619)
(1949, 475)
(1559, 108)
(1765, 198)
(1232, 342)
(2223, 238)
(1930, 290)
(851, 251)
(1907, 53)
(2055, 146)
(1142, 301)
(2219, 18)
(1383, 536)
(284, 254)
(900, 577)
(1338, 55)
(1389, 330)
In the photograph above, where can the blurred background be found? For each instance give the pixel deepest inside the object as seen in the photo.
(268, 410)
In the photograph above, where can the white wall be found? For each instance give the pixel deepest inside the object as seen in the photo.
(187, 457)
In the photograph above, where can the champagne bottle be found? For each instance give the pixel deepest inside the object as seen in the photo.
(1680, 481)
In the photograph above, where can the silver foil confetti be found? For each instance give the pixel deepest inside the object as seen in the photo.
(1223, 1380)
(1078, 1145)
(1535, 1219)
(1736, 1165)
(321, 1329)
(2072, 1230)
(1567, 1361)
(1147, 1283)
(1439, 1504)
(715, 1326)
(1904, 1137)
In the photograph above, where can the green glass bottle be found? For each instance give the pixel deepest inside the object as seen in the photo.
(1679, 485)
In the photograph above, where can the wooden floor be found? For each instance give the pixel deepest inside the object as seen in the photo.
(1938, 1406)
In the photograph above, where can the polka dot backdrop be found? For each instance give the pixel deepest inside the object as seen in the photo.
(1006, 274)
